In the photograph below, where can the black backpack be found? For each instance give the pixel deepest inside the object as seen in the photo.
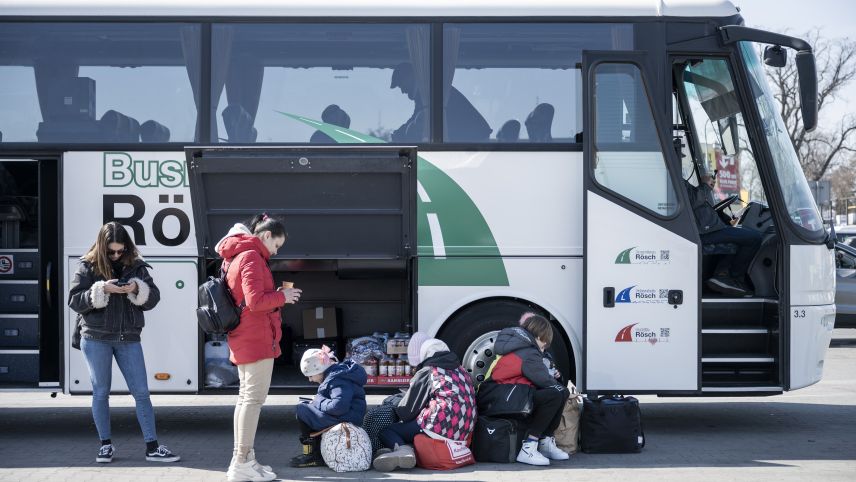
(496, 440)
(611, 425)
(217, 313)
(505, 399)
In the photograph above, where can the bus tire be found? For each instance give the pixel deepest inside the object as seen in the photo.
(471, 332)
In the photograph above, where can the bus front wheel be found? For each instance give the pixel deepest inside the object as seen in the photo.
(471, 334)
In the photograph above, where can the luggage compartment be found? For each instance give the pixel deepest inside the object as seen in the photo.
(350, 214)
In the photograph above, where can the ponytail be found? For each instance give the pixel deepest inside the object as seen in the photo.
(262, 222)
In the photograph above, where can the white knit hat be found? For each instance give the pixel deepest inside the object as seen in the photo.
(315, 361)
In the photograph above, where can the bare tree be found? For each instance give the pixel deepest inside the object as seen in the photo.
(824, 148)
(842, 179)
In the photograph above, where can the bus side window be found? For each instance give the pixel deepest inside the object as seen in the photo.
(527, 72)
(628, 156)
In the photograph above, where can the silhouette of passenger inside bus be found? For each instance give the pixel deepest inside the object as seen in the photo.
(509, 132)
(539, 123)
(463, 122)
(332, 114)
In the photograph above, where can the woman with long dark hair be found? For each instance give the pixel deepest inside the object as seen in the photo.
(253, 345)
(110, 291)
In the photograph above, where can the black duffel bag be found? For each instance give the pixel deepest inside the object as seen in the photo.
(496, 440)
(611, 425)
(505, 399)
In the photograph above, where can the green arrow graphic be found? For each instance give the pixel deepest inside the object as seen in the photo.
(461, 249)
(624, 256)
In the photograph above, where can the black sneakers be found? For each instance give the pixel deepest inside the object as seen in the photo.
(728, 286)
(105, 454)
(162, 454)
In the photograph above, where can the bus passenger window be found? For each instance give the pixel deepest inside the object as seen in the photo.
(285, 77)
(522, 72)
(69, 82)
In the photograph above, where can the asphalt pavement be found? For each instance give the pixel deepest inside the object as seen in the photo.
(808, 434)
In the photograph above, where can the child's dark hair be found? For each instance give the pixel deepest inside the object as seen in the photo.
(539, 327)
(262, 222)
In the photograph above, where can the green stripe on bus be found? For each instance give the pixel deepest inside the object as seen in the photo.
(464, 229)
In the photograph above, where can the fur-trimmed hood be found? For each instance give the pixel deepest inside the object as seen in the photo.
(112, 316)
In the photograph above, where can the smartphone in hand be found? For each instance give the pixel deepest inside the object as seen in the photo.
(121, 283)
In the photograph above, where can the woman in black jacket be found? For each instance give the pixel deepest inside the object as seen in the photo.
(110, 291)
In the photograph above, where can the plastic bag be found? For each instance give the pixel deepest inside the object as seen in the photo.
(220, 373)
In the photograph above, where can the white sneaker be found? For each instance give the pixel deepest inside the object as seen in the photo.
(547, 447)
(529, 454)
(247, 472)
(252, 456)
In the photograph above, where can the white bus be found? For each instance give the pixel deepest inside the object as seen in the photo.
(441, 165)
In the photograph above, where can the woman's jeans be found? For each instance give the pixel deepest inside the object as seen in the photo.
(129, 356)
(255, 383)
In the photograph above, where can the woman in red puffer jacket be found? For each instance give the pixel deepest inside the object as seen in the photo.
(254, 344)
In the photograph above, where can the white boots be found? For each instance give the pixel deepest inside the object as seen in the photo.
(541, 452)
(547, 447)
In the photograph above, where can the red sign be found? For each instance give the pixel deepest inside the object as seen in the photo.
(728, 177)
(7, 264)
(388, 381)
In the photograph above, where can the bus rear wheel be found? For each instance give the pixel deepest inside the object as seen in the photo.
(472, 332)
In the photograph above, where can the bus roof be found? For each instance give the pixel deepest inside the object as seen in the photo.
(368, 8)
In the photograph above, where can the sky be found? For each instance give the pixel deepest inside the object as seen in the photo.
(835, 18)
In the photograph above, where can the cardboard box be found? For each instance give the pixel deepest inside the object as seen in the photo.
(298, 347)
(320, 322)
(397, 346)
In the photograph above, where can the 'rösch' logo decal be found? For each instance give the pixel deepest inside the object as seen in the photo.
(633, 294)
(635, 334)
(635, 255)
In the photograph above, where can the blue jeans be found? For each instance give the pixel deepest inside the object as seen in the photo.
(401, 433)
(129, 356)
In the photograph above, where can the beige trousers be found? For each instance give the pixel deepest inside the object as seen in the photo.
(255, 383)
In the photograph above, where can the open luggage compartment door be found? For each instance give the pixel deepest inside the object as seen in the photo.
(339, 203)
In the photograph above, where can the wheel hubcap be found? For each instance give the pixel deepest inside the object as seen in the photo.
(479, 356)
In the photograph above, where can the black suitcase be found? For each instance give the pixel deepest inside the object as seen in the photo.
(611, 425)
(496, 440)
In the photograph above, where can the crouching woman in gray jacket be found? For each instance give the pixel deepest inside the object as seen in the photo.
(110, 291)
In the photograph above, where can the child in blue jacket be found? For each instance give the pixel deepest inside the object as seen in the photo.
(340, 398)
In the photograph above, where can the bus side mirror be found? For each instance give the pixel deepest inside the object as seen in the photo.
(805, 63)
(775, 56)
(808, 88)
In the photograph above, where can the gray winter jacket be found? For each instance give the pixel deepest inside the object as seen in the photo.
(112, 317)
(521, 360)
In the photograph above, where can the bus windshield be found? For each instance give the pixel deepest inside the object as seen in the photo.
(802, 210)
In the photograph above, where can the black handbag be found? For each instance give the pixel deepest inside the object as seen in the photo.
(75, 335)
(505, 399)
(611, 425)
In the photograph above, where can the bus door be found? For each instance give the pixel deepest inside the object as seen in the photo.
(641, 284)
(30, 330)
